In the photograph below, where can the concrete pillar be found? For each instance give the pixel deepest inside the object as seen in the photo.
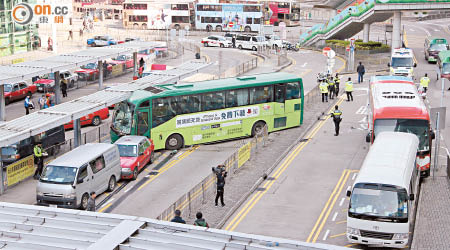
(135, 62)
(100, 75)
(76, 133)
(2, 103)
(366, 32)
(396, 30)
(57, 88)
(333, 13)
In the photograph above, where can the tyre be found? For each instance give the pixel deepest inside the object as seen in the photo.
(254, 48)
(205, 44)
(94, 44)
(72, 84)
(177, 27)
(111, 183)
(222, 46)
(7, 101)
(258, 127)
(152, 157)
(208, 28)
(219, 28)
(96, 121)
(247, 29)
(174, 141)
(84, 201)
(240, 47)
(135, 173)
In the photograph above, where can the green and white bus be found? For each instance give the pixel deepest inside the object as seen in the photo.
(177, 115)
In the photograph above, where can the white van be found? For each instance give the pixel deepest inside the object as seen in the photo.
(250, 42)
(68, 180)
(383, 199)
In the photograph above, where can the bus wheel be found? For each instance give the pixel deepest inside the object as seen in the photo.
(177, 27)
(258, 128)
(219, 28)
(208, 28)
(174, 141)
(247, 29)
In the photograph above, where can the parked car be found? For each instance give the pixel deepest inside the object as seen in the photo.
(17, 91)
(68, 180)
(129, 39)
(216, 41)
(89, 72)
(274, 41)
(46, 83)
(100, 41)
(50, 139)
(135, 152)
(126, 60)
(92, 119)
(250, 42)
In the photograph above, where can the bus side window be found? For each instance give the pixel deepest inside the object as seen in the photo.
(236, 98)
(261, 94)
(161, 112)
(213, 101)
(292, 90)
(142, 124)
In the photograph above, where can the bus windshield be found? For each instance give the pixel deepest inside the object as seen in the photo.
(379, 202)
(58, 174)
(413, 126)
(402, 62)
(122, 117)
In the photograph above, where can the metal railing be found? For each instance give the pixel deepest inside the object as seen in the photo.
(191, 201)
(239, 69)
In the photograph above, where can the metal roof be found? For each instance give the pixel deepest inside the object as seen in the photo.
(42, 120)
(26, 70)
(35, 227)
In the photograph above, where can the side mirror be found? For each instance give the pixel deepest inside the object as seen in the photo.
(349, 193)
(411, 197)
(368, 137)
(415, 65)
(79, 181)
(389, 65)
(433, 135)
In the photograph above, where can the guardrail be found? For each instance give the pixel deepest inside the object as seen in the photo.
(189, 202)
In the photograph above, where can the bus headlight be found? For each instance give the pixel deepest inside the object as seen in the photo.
(353, 231)
(403, 236)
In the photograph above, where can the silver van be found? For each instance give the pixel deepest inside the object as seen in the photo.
(68, 180)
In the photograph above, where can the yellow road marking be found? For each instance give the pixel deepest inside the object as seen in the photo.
(256, 197)
(104, 208)
(342, 221)
(350, 245)
(337, 235)
(343, 65)
(294, 62)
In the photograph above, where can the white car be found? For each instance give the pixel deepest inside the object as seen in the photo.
(216, 41)
(274, 41)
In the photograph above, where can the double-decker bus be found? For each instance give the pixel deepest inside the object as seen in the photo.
(141, 14)
(396, 106)
(287, 11)
(176, 115)
(228, 17)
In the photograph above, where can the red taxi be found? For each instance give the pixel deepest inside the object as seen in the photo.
(91, 119)
(124, 59)
(89, 72)
(18, 91)
(135, 153)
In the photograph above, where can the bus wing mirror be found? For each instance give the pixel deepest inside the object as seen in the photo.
(415, 65)
(349, 193)
(433, 135)
(411, 197)
(389, 65)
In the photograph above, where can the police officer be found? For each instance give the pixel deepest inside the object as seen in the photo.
(331, 87)
(424, 81)
(221, 174)
(38, 154)
(337, 81)
(349, 89)
(336, 119)
(324, 90)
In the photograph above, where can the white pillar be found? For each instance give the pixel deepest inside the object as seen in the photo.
(366, 32)
(100, 75)
(2, 103)
(396, 42)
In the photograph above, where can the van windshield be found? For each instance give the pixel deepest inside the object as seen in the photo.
(58, 174)
(402, 62)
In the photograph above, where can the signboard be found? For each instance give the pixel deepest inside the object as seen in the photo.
(116, 70)
(18, 60)
(244, 154)
(20, 170)
(216, 116)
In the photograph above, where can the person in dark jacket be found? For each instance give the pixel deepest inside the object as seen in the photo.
(361, 71)
(221, 174)
(64, 84)
(200, 221)
(91, 202)
(141, 62)
(177, 218)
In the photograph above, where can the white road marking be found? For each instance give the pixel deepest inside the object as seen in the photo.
(425, 30)
(354, 176)
(304, 65)
(411, 30)
(326, 234)
(334, 216)
(349, 187)
(342, 202)
(436, 30)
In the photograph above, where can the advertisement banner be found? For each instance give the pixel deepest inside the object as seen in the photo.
(217, 116)
(244, 154)
(20, 170)
(117, 69)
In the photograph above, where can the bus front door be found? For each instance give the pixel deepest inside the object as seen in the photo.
(280, 98)
(142, 123)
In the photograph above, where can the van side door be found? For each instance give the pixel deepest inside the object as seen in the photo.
(83, 182)
(100, 175)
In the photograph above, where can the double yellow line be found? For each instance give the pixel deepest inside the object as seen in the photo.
(329, 206)
(257, 196)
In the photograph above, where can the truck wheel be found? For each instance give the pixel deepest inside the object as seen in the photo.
(111, 183)
(96, 121)
(84, 201)
(174, 141)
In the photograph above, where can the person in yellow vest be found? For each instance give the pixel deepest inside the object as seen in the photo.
(424, 82)
(38, 155)
(349, 89)
(331, 87)
(337, 81)
(323, 86)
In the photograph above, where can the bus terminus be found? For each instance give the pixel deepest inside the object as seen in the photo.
(230, 17)
(287, 11)
(396, 106)
(141, 14)
(383, 199)
(174, 115)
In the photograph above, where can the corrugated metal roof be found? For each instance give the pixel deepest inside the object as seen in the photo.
(42, 120)
(35, 227)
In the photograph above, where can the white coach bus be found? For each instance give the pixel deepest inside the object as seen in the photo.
(383, 197)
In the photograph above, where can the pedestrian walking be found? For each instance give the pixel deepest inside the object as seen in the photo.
(91, 202)
(28, 105)
(141, 62)
(70, 35)
(361, 71)
(323, 86)
(337, 81)
(41, 102)
(48, 102)
(177, 218)
(337, 118)
(200, 221)
(39, 154)
(105, 69)
(424, 82)
(81, 32)
(63, 86)
(221, 174)
(349, 89)
(331, 88)
(233, 40)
